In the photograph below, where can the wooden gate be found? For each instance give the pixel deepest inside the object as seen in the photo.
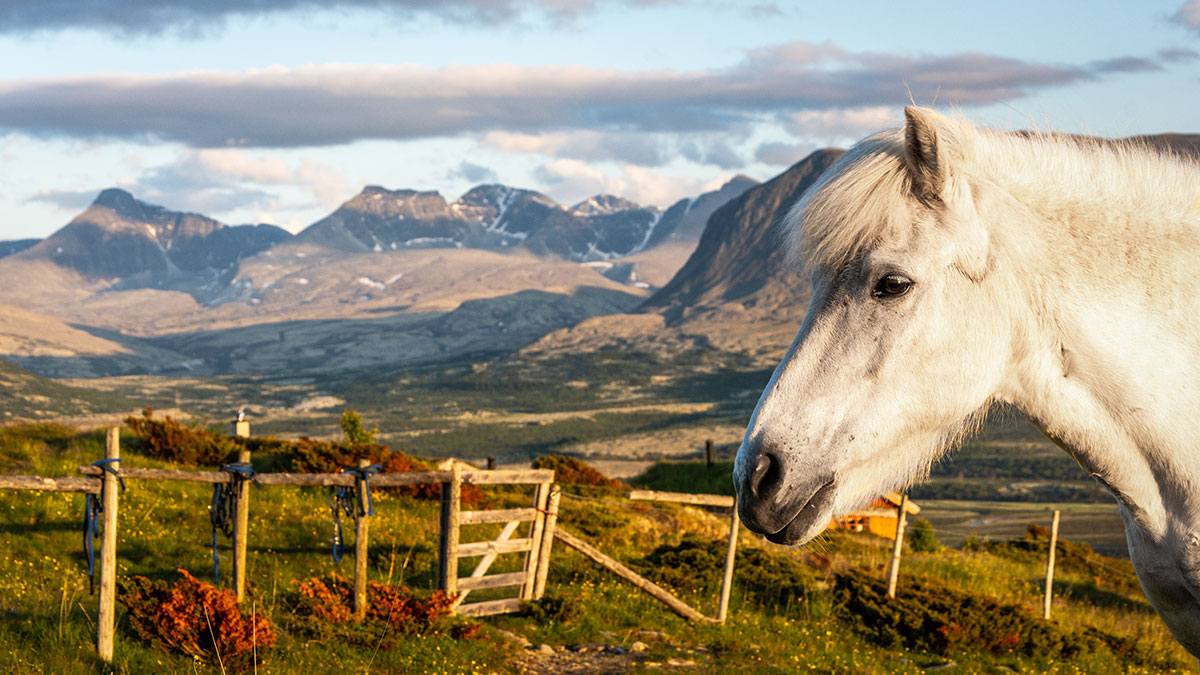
(541, 517)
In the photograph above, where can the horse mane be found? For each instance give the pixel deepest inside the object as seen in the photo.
(866, 195)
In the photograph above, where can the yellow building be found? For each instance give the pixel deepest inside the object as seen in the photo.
(879, 518)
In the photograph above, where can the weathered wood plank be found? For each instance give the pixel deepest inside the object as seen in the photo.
(683, 498)
(540, 497)
(361, 532)
(485, 547)
(48, 484)
(727, 579)
(106, 612)
(164, 474)
(485, 563)
(453, 550)
(543, 567)
(654, 590)
(491, 581)
(241, 520)
(345, 479)
(514, 477)
(489, 608)
(496, 516)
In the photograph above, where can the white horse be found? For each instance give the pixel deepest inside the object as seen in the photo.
(954, 268)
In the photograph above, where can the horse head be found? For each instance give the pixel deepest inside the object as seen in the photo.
(903, 344)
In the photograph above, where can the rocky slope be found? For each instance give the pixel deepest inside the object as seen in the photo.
(121, 238)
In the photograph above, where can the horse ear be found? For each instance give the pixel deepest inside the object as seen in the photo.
(923, 153)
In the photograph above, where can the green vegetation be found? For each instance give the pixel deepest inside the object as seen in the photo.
(689, 477)
(25, 395)
(355, 432)
(920, 537)
(819, 608)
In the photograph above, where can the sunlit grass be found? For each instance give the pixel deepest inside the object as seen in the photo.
(47, 615)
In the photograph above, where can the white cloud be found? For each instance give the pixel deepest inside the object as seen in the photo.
(335, 104)
(839, 124)
(569, 181)
(1188, 15)
(224, 182)
(783, 154)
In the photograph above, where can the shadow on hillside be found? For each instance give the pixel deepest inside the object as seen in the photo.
(737, 390)
(1083, 592)
(479, 327)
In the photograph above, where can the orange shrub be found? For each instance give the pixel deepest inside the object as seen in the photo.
(403, 612)
(195, 618)
(572, 471)
(171, 440)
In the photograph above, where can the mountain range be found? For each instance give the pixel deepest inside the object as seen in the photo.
(165, 291)
(395, 278)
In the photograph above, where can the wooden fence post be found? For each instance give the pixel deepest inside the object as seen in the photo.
(1050, 565)
(727, 580)
(449, 525)
(541, 497)
(241, 523)
(708, 452)
(543, 566)
(106, 614)
(897, 545)
(361, 526)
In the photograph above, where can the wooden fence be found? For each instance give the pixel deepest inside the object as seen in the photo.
(105, 480)
(652, 589)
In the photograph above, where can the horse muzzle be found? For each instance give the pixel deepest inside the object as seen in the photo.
(773, 501)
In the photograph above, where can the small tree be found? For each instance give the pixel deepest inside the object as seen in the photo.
(356, 433)
(921, 537)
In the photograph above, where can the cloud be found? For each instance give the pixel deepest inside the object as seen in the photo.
(473, 173)
(841, 124)
(220, 181)
(716, 152)
(782, 154)
(1178, 54)
(586, 144)
(1188, 15)
(335, 104)
(1125, 64)
(67, 200)
(199, 17)
(570, 181)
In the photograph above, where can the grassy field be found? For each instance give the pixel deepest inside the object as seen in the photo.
(815, 610)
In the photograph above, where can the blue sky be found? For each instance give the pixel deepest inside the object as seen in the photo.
(280, 113)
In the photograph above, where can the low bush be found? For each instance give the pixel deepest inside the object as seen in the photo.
(325, 608)
(572, 471)
(196, 619)
(921, 537)
(171, 440)
(768, 579)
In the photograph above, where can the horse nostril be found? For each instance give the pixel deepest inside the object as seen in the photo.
(767, 474)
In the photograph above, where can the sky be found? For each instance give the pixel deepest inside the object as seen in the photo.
(277, 111)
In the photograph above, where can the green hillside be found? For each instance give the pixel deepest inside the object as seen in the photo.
(24, 395)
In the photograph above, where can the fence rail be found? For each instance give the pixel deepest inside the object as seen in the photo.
(101, 482)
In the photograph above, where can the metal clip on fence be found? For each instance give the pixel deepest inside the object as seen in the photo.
(92, 508)
(224, 505)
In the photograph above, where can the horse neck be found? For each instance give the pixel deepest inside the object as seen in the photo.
(1108, 362)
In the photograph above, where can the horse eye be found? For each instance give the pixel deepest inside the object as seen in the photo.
(892, 285)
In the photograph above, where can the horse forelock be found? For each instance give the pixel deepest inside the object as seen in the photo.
(860, 200)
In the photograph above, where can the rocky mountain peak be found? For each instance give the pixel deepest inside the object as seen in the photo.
(603, 205)
(119, 236)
